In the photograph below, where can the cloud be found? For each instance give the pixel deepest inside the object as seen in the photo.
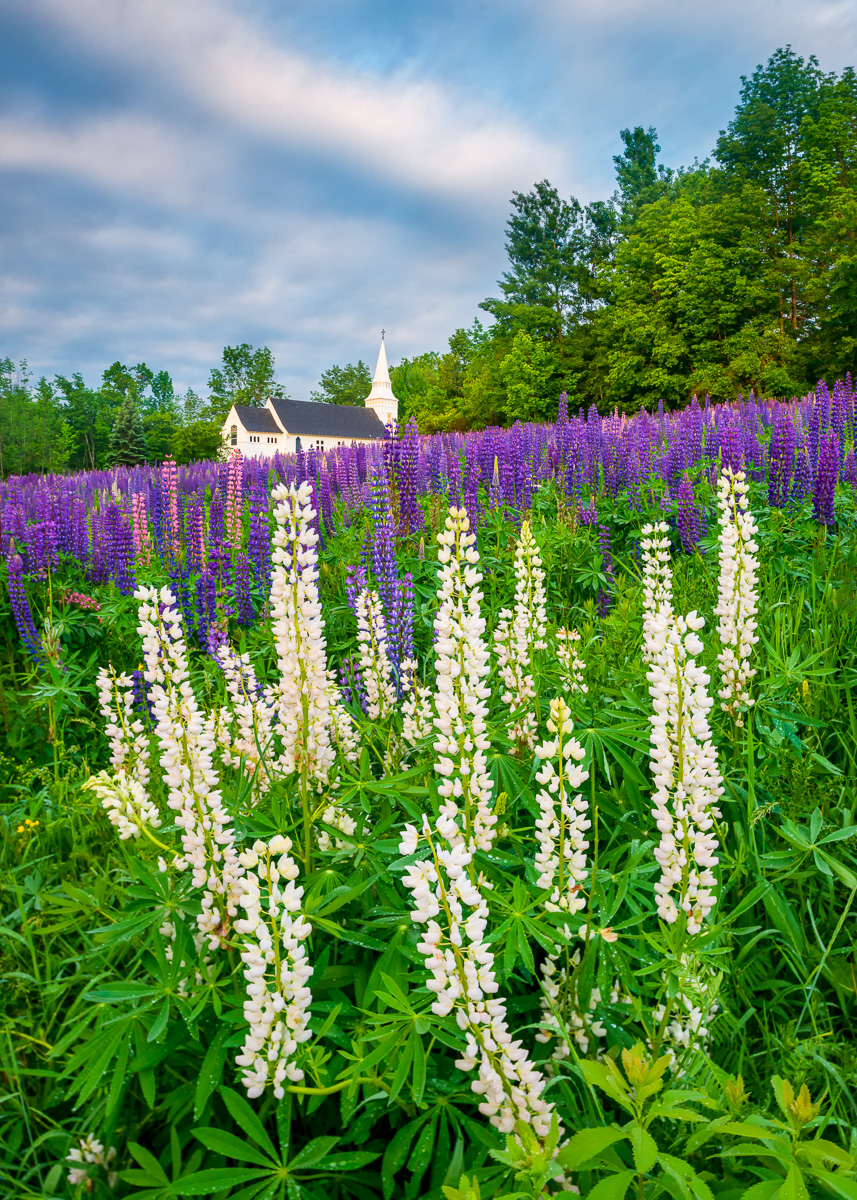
(404, 130)
(183, 174)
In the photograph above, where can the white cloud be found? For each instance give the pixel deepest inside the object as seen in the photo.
(404, 130)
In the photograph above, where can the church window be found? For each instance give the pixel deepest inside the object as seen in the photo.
(233, 435)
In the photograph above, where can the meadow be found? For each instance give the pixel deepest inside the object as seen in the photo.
(471, 816)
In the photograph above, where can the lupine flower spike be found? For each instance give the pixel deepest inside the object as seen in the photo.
(571, 664)
(519, 635)
(738, 594)
(448, 898)
(276, 968)
(188, 741)
(684, 766)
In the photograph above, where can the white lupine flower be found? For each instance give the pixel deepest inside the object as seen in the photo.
(344, 729)
(461, 669)
(417, 711)
(562, 823)
(276, 967)
(188, 741)
(560, 1015)
(519, 634)
(304, 696)
(451, 907)
(126, 803)
(90, 1152)
(657, 577)
(571, 664)
(692, 1010)
(374, 659)
(561, 862)
(253, 710)
(738, 593)
(687, 782)
(448, 899)
(129, 742)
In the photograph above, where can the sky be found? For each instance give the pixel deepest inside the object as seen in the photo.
(181, 175)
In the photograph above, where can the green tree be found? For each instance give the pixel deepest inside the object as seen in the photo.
(127, 439)
(197, 441)
(546, 244)
(526, 371)
(89, 417)
(640, 177)
(344, 385)
(763, 148)
(245, 376)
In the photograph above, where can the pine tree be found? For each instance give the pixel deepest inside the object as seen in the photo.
(127, 440)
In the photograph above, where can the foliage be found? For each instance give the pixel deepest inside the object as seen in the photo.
(344, 385)
(719, 1064)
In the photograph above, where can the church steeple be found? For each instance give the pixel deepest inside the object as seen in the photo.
(381, 397)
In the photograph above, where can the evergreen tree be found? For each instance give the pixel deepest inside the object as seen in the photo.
(127, 440)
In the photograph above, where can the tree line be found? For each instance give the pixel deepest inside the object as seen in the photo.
(735, 274)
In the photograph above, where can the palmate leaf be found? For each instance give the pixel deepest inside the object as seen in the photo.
(587, 1144)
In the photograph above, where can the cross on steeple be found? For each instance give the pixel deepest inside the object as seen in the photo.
(383, 331)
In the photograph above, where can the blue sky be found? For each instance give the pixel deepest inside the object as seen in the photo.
(177, 175)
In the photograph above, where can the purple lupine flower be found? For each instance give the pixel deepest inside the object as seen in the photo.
(21, 611)
(825, 480)
(687, 516)
(410, 514)
(803, 479)
(206, 605)
(142, 701)
(588, 515)
(849, 469)
(243, 598)
(781, 456)
(351, 683)
(604, 594)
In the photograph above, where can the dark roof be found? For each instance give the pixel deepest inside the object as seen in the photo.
(305, 418)
(257, 420)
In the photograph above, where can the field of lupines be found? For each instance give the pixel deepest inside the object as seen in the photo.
(474, 816)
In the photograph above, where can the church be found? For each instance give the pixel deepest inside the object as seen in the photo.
(290, 425)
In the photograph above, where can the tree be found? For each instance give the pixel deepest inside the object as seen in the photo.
(89, 418)
(344, 385)
(127, 439)
(246, 376)
(640, 178)
(197, 441)
(762, 147)
(525, 371)
(546, 245)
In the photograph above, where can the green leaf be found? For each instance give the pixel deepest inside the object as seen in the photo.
(147, 1161)
(246, 1119)
(231, 1146)
(211, 1070)
(349, 1161)
(312, 1153)
(645, 1149)
(764, 1190)
(118, 993)
(614, 1187)
(587, 1144)
(395, 1155)
(206, 1183)
(160, 1022)
(794, 1187)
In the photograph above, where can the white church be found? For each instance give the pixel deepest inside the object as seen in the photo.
(290, 425)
